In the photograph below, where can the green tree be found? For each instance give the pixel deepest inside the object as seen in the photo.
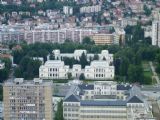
(18, 73)
(135, 73)
(83, 60)
(96, 57)
(87, 40)
(82, 77)
(124, 66)
(59, 112)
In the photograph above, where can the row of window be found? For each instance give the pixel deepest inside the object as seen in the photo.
(103, 111)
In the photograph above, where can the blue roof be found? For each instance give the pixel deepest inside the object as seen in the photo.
(103, 103)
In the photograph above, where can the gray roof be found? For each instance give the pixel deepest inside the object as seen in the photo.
(103, 103)
(123, 87)
(86, 87)
(72, 98)
(134, 99)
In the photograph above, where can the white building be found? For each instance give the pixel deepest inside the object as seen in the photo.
(90, 9)
(54, 69)
(2, 65)
(78, 53)
(67, 10)
(100, 70)
(156, 33)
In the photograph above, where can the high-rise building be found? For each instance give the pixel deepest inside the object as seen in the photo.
(156, 33)
(27, 100)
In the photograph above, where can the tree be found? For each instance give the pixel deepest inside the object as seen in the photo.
(83, 60)
(147, 11)
(52, 57)
(82, 77)
(59, 112)
(124, 66)
(4, 73)
(69, 76)
(135, 73)
(87, 40)
(18, 73)
(158, 68)
(96, 57)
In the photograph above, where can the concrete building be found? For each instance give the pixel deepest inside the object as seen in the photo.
(67, 10)
(156, 33)
(54, 69)
(57, 36)
(90, 9)
(102, 39)
(27, 99)
(78, 53)
(2, 65)
(100, 70)
(100, 101)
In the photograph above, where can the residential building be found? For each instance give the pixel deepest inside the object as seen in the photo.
(67, 10)
(2, 65)
(54, 69)
(27, 99)
(90, 9)
(156, 33)
(100, 101)
(102, 39)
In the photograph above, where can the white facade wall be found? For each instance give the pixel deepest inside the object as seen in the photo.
(54, 69)
(105, 88)
(103, 113)
(99, 70)
(156, 33)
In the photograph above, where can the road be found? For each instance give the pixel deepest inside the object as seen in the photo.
(154, 73)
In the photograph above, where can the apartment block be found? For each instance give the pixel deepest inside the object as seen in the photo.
(106, 101)
(90, 9)
(67, 10)
(27, 100)
(2, 65)
(156, 33)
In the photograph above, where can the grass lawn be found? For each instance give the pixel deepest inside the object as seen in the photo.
(147, 72)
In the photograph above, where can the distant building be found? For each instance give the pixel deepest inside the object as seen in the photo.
(156, 33)
(105, 101)
(101, 69)
(78, 53)
(2, 65)
(27, 99)
(90, 9)
(54, 69)
(67, 10)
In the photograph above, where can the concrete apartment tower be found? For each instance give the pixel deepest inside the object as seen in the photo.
(156, 33)
(27, 100)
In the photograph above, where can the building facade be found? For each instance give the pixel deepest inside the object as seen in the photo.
(30, 100)
(54, 69)
(101, 69)
(100, 101)
(156, 33)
